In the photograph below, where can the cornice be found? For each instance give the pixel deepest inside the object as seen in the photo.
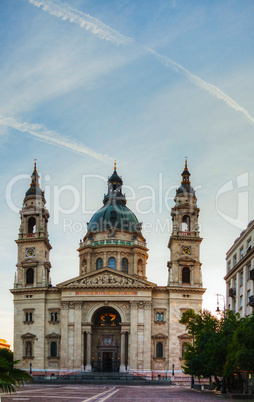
(34, 240)
(35, 290)
(240, 263)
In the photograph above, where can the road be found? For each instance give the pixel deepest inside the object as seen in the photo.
(101, 393)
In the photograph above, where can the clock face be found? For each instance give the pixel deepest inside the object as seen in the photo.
(186, 250)
(107, 341)
(30, 252)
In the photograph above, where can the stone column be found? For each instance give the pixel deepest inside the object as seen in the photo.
(147, 337)
(122, 362)
(88, 350)
(133, 336)
(64, 335)
(77, 337)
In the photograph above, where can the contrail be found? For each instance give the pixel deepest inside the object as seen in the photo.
(66, 12)
(85, 21)
(41, 133)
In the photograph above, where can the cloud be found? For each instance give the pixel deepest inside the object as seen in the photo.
(66, 12)
(41, 133)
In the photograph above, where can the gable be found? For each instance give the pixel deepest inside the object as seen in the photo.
(106, 277)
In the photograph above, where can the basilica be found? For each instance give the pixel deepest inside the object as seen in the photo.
(109, 317)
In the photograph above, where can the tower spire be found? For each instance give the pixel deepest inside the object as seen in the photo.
(115, 166)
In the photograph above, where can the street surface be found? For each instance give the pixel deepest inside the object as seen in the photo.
(101, 393)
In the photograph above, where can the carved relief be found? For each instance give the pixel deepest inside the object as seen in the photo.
(86, 308)
(107, 279)
(64, 305)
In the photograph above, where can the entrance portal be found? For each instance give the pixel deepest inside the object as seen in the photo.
(106, 340)
(107, 364)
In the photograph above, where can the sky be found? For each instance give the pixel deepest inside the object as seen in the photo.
(142, 82)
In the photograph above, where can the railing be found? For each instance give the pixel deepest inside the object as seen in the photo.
(112, 242)
(252, 274)
(232, 292)
(251, 301)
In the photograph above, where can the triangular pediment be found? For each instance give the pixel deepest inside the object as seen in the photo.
(106, 277)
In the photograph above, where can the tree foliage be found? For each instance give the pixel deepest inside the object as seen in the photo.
(11, 377)
(220, 347)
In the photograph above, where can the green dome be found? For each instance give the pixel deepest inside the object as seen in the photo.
(115, 215)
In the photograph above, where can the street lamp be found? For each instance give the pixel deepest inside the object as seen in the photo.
(223, 387)
(173, 370)
(31, 368)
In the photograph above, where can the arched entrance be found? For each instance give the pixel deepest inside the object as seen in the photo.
(106, 340)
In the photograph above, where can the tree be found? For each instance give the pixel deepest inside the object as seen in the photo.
(11, 377)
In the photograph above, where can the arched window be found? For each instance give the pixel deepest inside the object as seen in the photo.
(162, 317)
(112, 263)
(159, 349)
(31, 225)
(158, 317)
(99, 263)
(28, 349)
(186, 275)
(186, 223)
(30, 276)
(53, 349)
(124, 265)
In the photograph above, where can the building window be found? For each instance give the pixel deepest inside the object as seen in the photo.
(241, 278)
(186, 275)
(29, 276)
(248, 244)
(31, 225)
(241, 253)
(229, 265)
(28, 318)
(54, 316)
(159, 349)
(112, 263)
(184, 348)
(235, 260)
(186, 223)
(159, 316)
(99, 263)
(249, 270)
(241, 301)
(248, 295)
(124, 265)
(53, 349)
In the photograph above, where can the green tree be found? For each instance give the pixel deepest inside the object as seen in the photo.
(11, 377)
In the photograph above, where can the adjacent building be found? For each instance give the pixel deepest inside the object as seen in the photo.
(109, 317)
(240, 273)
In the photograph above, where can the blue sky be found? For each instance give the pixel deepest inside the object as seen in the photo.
(142, 82)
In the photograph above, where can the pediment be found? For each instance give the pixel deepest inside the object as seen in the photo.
(29, 260)
(106, 277)
(185, 337)
(28, 335)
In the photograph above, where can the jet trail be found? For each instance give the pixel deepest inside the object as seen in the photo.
(41, 133)
(103, 31)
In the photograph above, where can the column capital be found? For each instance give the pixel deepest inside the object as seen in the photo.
(64, 305)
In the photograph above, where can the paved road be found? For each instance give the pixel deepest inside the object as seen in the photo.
(101, 393)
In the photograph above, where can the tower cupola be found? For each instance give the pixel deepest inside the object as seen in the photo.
(35, 189)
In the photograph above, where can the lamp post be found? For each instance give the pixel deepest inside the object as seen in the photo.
(223, 387)
(173, 370)
(30, 368)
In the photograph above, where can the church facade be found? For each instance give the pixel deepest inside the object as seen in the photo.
(109, 317)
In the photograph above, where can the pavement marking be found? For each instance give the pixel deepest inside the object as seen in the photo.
(95, 397)
(108, 396)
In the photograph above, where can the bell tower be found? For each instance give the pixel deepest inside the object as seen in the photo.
(33, 267)
(184, 268)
